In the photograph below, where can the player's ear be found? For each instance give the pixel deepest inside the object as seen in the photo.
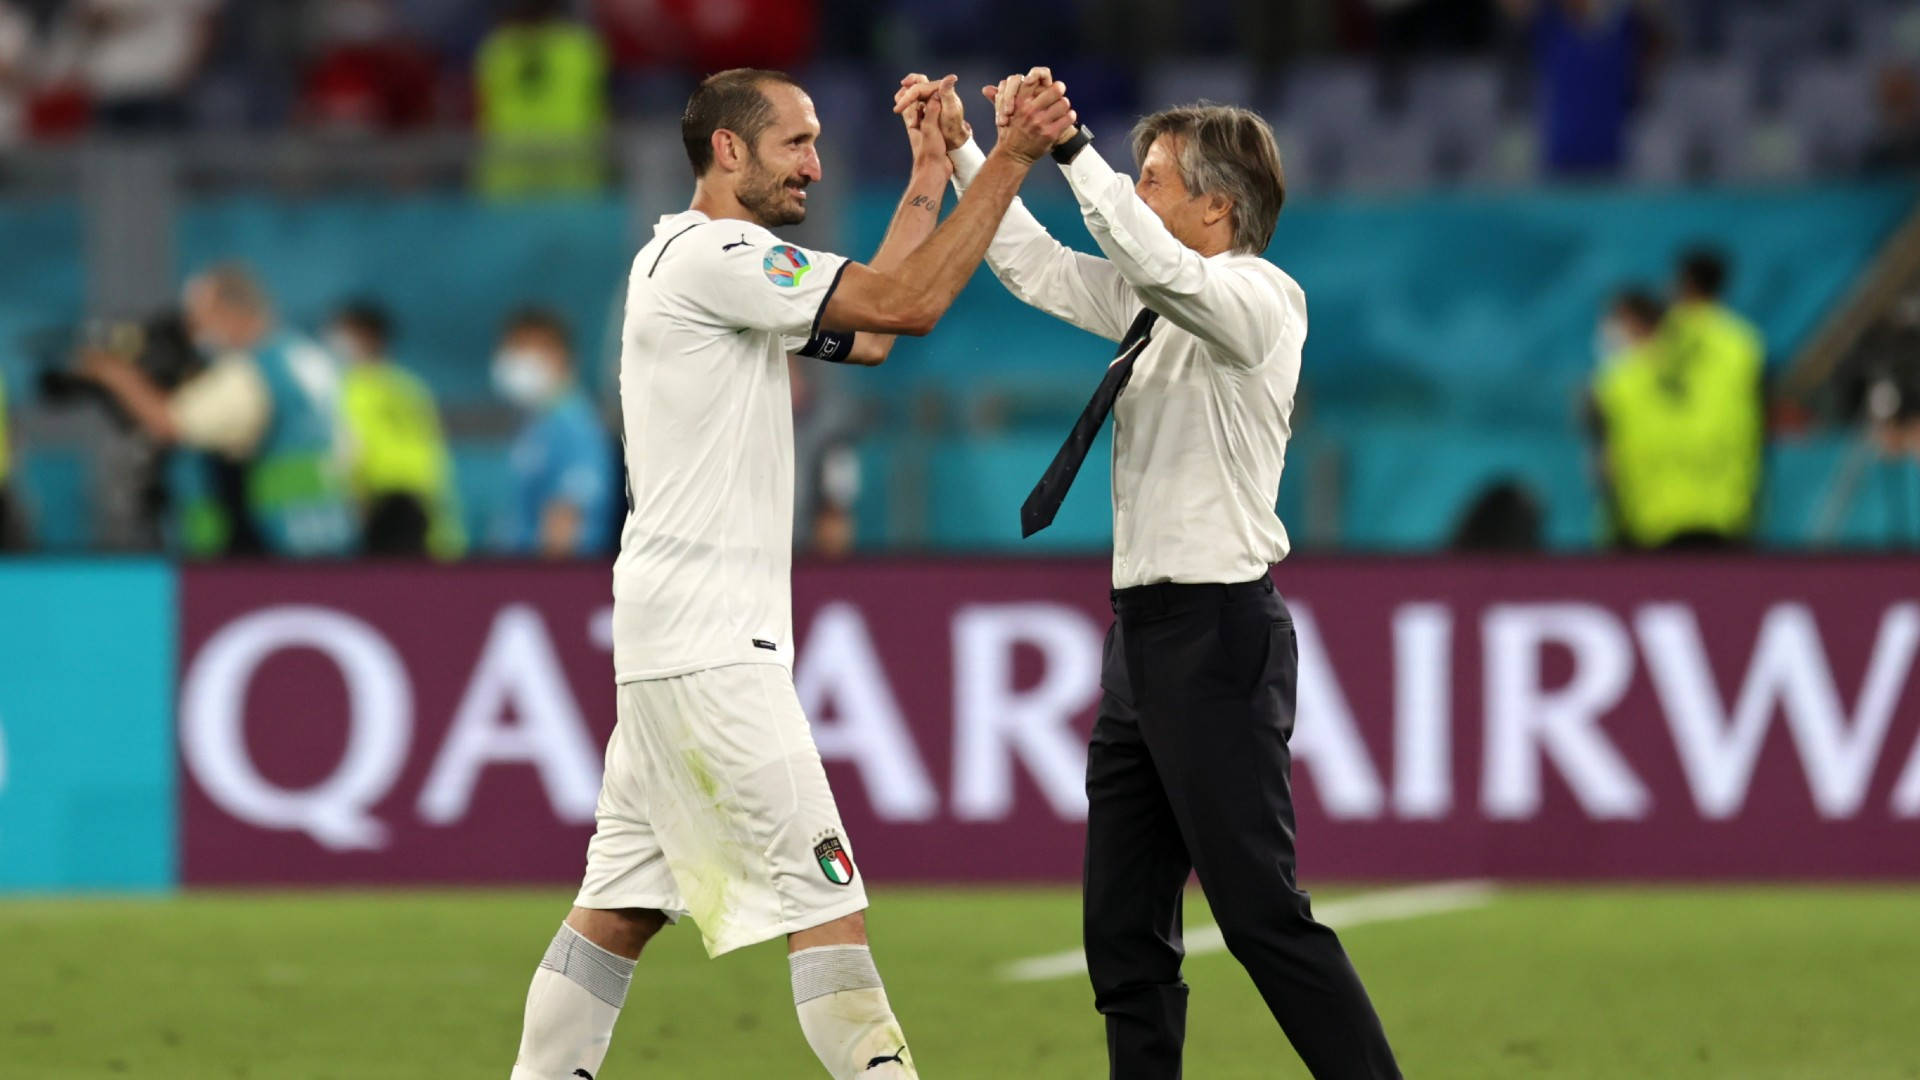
(727, 149)
(1219, 207)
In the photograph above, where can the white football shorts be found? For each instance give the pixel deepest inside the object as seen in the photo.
(714, 804)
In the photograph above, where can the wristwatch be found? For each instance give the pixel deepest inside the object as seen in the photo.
(1067, 151)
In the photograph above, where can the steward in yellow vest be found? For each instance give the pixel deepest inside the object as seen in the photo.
(1681, 415)
(541, 79)
(400, 473)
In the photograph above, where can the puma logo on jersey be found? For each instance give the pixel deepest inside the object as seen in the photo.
(893, 1057)
(588, 1075)
(742, 242)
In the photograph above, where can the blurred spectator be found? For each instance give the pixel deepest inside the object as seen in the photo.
(563, 474)
(1506, 517)
(1625, 355)
(542, 84)
(134, 59)
(1878, 382)
(1591, 57)
(1896, 142)
(701, 36)
(1681, 416)
(401, 474)
(826, 420)
(370, 77)
(834, 530)
(267, 401)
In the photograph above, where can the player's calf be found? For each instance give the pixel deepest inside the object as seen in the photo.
(843, 1007)
(578, 992)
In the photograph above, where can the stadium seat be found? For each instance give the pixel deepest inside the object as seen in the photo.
(1456, 94)
(1474, 137)
(1659, 151)
(1889, 33)
(1770, 37)
(1831, 105)
(1390, 156)
(1771, 151)
(1716, 92)
(1182, 82)
(1330, 96)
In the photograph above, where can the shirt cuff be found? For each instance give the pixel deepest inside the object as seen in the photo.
(966, 163)
(1087, 172)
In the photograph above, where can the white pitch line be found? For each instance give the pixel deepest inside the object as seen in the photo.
(1385, 905)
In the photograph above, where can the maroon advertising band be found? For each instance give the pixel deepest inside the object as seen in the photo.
(1684, 719)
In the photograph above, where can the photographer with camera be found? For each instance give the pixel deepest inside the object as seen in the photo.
(266, 400)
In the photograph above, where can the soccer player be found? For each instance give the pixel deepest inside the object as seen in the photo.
(714, 802)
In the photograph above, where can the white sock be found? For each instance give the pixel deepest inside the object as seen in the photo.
(845, 1016)
(571, 1008)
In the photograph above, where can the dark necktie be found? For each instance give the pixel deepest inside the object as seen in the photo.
(1044, 501)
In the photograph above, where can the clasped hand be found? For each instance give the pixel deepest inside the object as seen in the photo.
(1032, 113)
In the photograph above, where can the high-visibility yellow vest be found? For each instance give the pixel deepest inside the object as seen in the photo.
(1683, 419)
(399, 448)
(542, 109)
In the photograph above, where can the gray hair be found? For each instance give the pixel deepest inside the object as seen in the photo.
(1227, 151)
(234, 285)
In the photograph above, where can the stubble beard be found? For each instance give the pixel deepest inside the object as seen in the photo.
(765, 195)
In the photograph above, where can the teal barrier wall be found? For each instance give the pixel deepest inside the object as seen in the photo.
(42, 290)
(449, 267)
(87, 658)
(1451, 337)
(1450, 342)
(44, 275)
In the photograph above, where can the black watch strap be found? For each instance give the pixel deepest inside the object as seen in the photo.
(1067, 151)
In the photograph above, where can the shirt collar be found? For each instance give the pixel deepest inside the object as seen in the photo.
(673, 222)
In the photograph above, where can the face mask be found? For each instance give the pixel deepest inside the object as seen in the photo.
(345, 347)
(524, 377)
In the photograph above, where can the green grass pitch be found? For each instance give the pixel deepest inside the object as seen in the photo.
(1753, 983)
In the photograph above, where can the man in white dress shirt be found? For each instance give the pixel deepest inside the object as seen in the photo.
(714, 802)
(1189, 767)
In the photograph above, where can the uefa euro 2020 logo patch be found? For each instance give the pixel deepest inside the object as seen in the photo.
(785, 265)
(833, 860)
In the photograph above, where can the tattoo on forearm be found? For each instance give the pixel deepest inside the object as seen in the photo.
(931, 205)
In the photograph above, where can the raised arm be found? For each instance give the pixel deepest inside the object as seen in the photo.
(1081, 289)
(1224, 305)
(913, 220)
(911, 298)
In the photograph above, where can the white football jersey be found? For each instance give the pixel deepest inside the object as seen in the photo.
(704, 573)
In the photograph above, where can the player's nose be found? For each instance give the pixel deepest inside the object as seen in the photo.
(810, 168)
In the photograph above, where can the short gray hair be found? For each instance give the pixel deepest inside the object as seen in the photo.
(1228, 151)
(234, 285)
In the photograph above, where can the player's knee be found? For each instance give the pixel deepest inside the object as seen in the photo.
(845, 930)
(622, 931)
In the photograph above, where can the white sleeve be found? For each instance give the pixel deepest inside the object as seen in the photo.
(224, 408)
(764, 283)
(1081, 289)
(1236, 309)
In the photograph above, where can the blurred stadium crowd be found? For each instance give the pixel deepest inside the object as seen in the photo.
(1396, 93)
(325, 142)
